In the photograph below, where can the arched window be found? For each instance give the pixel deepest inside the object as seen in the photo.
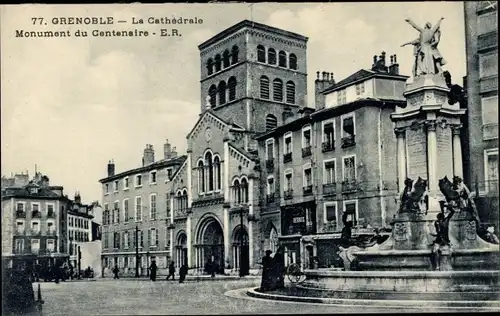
(185, 199)
(261, 54)
(236, 192)
(264, 87)
(218, 181)
(234, 54)
(282, 59)
(271, 56)
(210, 66)
(278, 90)
(201, 177)
(293, 61)
(290, 92)
(222, 93)
(217, 62)
(244, 190)
(225, 58)
(212, 92)
(179, 201)
(209, 164)
(232, 88)
(271, 122)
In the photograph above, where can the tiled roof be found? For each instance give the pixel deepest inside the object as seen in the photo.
(23, 192)
(155, 165)
(360, 75)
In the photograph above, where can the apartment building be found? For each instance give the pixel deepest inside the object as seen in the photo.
(79, 222)
(333, 162)
(481, 152)
(138, 202)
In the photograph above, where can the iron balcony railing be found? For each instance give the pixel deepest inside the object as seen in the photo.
(287, 157)
(307, 190)
(348, 141)
(330, 188)
(288, 194)
(270, 198)
(349, 186)
(306, 151)
(270, 165)
(327, 146)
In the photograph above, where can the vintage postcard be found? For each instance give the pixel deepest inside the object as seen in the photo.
(249, 158)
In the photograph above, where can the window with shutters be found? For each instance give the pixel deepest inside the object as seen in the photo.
(117, 212)
(293, 61)
(489, 111)
(270, 149)
(349, 168)
(282, 59)
(222, 92)
(212, 93)
(307, 175)
(125, 184)
(329, 171)
(288, 180)
(116, 240)
(491, 170)
(271, 56)
(488, 65)
(152, 206)
(167, 202)
(225, 58)
(290, 92)
(232, 88)
(270, 185)
(261, 54)
(278, 90)
(264, 87)
(126, 214)
(288, 143)
(126, 241)
(330, 213)
(341, 97)
(271, 122)
(153, 237)
(348, 130)
(141, 238)
(351, 211)
(138, 208)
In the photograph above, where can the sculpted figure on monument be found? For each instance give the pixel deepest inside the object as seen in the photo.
(458, 197)
(442, 237)
(405, 196)
(457, 93)
(428, 59)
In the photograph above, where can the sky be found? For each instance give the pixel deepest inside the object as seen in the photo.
(69, 105)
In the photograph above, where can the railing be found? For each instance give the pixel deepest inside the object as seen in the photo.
(270, 198)
(51, 233)
(330, 188)
(20, 214)
(327, 146)
(330, 227)
(36, 214)
(19, 232)
(348, 141)
(287, 157)
(35, 232)
(306, 151)
(349, 186)
(270, 165)
(307, 190)
(288, 194)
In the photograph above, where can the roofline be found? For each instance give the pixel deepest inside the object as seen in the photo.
(80, 214)
(251, 24)
(31, 197)
(284, 127)
(171, 162)
(243, 152)
(373, 75)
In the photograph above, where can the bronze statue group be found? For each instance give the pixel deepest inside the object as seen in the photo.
(273, 270)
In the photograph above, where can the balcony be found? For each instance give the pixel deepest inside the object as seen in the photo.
(36, 214)
(35, 232)
(287, 157)
(330, 227)
(307, 190)
(270, 165)
(490, 131)
(306, 151)
(270, 198)
(349, 186)
(288, 194)
(487, 41)
(327, 146)
(488, 84)
(20, 232)
(20, 214)
(51, 233)
(51, 215)
(329, 188)
(348, 141)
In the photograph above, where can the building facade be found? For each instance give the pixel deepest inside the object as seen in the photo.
(323, 167)
(481, 152)
(79, 227)
(136, 213)
(33, 220)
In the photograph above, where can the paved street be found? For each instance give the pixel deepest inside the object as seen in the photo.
(127, 297)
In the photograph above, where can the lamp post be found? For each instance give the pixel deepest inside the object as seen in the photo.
(79, 262)
(136, 251)
(147, 263)
(241, 242)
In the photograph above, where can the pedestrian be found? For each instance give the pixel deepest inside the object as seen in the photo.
(153, 268)
(182, 273)
(171, 271)
(213, 267)
(115, 271)
(266, 265)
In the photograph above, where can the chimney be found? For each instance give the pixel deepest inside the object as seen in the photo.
(332, 81)
(321, 83)
(111, 168)
(78, 199)
(382, 59)
(173, 153)
(167, 150)
(45, 181)
(374, 65)
(394, 67)
(149, 155)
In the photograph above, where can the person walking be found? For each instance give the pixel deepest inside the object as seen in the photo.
(171, 271)
(152, 269)
(182, 273)
(266, 265)
(115, 271)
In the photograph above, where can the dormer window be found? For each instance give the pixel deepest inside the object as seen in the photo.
(341, 97)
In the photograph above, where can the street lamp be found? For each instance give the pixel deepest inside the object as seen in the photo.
(241, 242)
(79, 262)
(147, 263)
(136, 251)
